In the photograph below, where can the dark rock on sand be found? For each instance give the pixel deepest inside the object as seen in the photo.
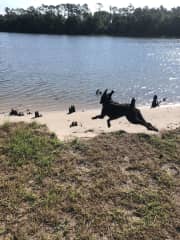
(14, 112)
(72, 109)
(37, 115)
(73, 124)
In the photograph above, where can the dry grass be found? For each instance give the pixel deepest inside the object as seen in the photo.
(115, 186)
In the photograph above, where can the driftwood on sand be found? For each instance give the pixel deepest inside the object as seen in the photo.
(72, 109)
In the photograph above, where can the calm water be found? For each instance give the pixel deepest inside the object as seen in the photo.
(50, 72)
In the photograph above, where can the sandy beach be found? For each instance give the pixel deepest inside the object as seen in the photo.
(164, 118)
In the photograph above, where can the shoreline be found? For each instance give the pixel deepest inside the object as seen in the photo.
(165, 117)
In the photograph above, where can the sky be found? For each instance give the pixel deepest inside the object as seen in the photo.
(92, 3)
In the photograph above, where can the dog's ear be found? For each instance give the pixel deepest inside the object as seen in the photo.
(111, 93)
(103, 97)
(105, 92)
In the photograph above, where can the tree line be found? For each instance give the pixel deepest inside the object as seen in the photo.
(76, 19)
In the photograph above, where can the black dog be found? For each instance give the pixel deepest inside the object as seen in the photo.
(116, 110)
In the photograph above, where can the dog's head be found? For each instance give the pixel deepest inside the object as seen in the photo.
(106, 97)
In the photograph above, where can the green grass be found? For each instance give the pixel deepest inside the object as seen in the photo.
(25, 146)
(115, 186)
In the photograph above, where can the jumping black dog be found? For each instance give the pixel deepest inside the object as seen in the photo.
(116, 110)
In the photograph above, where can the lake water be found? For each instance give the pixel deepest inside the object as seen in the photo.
(51, 72)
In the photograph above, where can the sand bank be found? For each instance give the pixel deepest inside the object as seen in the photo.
(164, 117)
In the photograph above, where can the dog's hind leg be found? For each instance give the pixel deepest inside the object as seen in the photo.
(150, 127)
(136, 117)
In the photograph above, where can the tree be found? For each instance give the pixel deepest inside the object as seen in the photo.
(99, 6)
(78, 19)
